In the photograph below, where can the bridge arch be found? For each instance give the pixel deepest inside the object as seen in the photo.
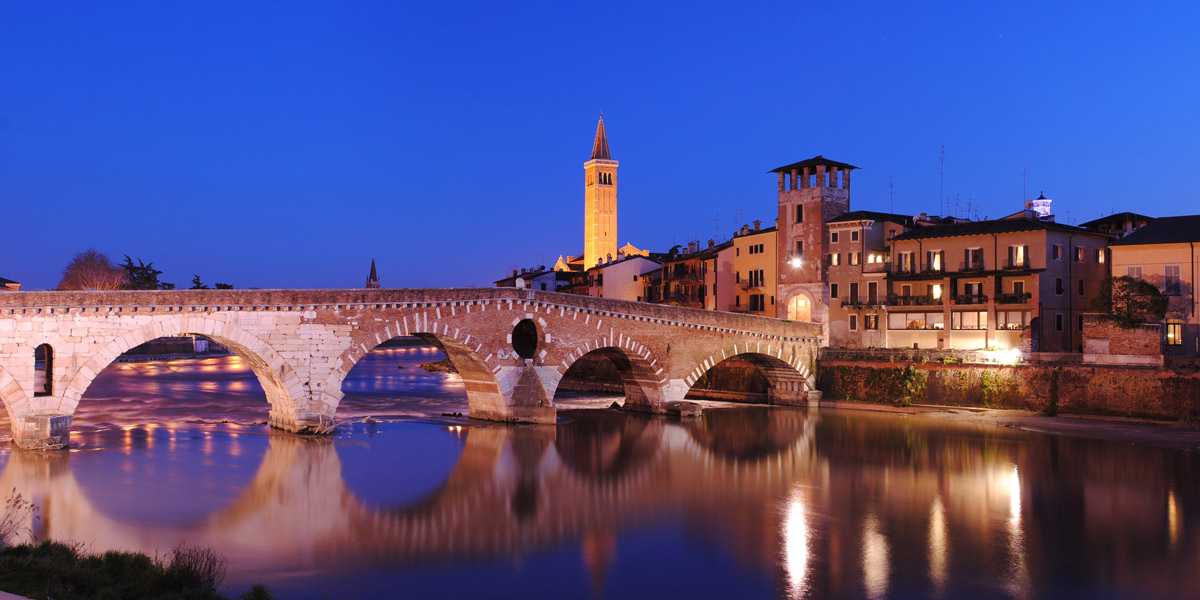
(788, 377)
(283, 388)
(16, 401)
(642, 378)
(479, 379)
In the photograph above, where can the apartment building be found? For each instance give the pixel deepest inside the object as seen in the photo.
(1166, 252)
(754, 263)
(859, 261)
(1019, 282)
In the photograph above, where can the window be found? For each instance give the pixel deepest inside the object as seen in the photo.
(873, 292)
(1134, 272)
(973, 289)
(833, 237)
(756, 303)
(1174, 332)
(921, 320)
(906, 262)
(1080, 322)
(935, 260)
(1018, 256)
(871, 322)
(799, 213)
(854, 236)
(971, 319)
(799, 248)
(1171, 280)
(935, 291)
(1011, 319)
(1058, 322)
(833, 290)
(1057, 252)
(906, 290)
(1019, 288)
(855, 257)
(1100, 255)
(1058, 287)
(854, 292)
(853, 322)
(1081, 287)
(973, 259)
(835, 259)
(1080, 254)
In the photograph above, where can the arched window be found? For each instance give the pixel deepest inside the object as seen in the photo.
(43, 370)
(800, 308)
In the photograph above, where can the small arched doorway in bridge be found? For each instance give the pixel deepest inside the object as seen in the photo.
(43, 370)
(800, 308)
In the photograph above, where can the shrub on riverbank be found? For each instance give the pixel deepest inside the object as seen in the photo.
(63, 572)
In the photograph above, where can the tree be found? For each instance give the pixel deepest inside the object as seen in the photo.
(92, 270)
(196, 285)
(144, 276)
(1130, 300)
(224, 286)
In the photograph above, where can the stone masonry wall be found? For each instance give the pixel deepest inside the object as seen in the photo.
(1129, 391)
(1105, 336)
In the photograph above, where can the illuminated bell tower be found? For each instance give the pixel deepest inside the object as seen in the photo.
(600, 203)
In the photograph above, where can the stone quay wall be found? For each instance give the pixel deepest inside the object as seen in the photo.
(1113, 390)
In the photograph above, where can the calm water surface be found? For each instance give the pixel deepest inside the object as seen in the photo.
(748, 502)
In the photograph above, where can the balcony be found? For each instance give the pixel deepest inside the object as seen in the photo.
(1021, 298)
(877, 267)
(1013, 265)
(971, 267)
(970, 299)
(898, 300)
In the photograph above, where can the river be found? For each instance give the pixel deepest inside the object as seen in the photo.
(746, 502)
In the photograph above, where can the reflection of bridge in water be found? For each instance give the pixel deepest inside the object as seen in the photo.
(513, 490)
(834, 505)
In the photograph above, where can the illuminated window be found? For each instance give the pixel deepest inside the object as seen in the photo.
(855, 257)
(871, 322)
(835, 259)
(975, 320)
(935, 291)
(1058, 252)
(1174, 332)
(1100, 255)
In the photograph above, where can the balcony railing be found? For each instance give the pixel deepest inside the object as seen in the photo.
(1016, 264)
(898, 300)
(971, 299)
(965, 267)
(877, 267)
(1013, 298)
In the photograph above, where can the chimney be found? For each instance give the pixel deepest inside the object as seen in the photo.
(757, 224)
(514, 272)
(711, 243)
(691, 247)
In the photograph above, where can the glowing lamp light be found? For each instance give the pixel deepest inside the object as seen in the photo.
(796, 263)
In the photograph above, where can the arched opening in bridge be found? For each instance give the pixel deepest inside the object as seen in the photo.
(751, 433)
(422, 374)
(525, 338)
(800, 308)
(607, 375)
(179, 379)
(43, 370)
(752, 377)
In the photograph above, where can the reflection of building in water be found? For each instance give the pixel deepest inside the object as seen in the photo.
(835, 506)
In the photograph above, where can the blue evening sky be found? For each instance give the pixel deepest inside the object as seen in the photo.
(285, 144)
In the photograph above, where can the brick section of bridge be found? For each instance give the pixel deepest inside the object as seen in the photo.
(302, 343)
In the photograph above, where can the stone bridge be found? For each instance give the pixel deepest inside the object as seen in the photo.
(511, 346)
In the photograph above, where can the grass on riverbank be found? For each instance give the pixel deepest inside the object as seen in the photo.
(63, 572)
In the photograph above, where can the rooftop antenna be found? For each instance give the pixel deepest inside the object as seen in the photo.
(1024, 184)
(942, 179)
(891, 195)
(717, 228)
(957, 197)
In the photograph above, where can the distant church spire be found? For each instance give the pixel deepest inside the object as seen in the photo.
(373, 278)
(600, 148)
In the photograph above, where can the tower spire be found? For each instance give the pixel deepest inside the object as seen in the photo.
(600, 148)
(373, 278)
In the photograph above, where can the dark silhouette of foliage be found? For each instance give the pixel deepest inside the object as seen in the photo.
(196, 285)
(92, 270)
(143, 276)
(224, 286)
(1130, 301)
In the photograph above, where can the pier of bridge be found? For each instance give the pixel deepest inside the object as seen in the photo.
(511, 346)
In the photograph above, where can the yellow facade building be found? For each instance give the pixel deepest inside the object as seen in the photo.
(1166, 253)
(600, 203)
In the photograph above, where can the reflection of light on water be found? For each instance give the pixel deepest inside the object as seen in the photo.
(795, 546)
(874, 559)
(937, 545)
(1172, 519)
(1019, 582)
